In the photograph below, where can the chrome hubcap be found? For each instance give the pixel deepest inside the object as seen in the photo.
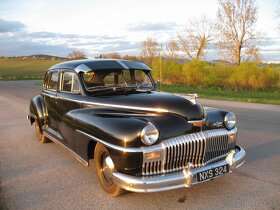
(107, 168)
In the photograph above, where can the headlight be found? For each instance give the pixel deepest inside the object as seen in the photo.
(149, 134)
(230, 120)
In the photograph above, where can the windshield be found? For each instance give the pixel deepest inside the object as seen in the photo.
(97, 80)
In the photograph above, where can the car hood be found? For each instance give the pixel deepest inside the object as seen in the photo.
(152, 102)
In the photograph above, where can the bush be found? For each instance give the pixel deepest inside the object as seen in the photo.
(247, 76)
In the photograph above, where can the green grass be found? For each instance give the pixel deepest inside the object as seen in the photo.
(18, 69)
(268, 97)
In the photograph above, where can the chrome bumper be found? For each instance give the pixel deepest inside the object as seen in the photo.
(185, 178)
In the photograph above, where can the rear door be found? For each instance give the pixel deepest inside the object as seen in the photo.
(50, 93)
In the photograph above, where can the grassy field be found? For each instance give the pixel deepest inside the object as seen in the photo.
(35, 69)
(268, 97)
(14, 69)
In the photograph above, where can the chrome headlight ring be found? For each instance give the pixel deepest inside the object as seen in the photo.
(149, 134)
(230, 120)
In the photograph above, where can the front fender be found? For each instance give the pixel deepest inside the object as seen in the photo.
(123, 128)
(214, 118)
(37, 110)
(117, 130)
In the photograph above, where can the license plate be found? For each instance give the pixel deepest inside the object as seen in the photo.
(211, 173)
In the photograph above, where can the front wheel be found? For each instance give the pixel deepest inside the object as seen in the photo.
(39, 135)
(104, 169)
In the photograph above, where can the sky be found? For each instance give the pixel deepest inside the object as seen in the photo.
(56, 27)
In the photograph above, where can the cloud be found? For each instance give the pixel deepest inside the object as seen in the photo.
(10, 26)
(21, 42)
(15, 40)
(20, 48)
(169, 26)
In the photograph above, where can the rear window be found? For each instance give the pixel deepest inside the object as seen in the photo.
(53, 84)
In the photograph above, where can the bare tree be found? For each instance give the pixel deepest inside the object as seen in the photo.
(236, 28)
(150, 49)
(196, 37)
(76, 54)
(114, 55)
(172, 49)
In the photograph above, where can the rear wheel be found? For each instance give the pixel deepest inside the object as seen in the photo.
(39, 135)
(104, 170)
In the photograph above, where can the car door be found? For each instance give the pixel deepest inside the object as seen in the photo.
(68, 99)
(49, 94)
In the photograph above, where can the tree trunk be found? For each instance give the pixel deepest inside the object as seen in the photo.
(238, 55)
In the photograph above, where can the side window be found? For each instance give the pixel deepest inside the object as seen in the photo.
(53, 84)
(46, 80)
(70, 82)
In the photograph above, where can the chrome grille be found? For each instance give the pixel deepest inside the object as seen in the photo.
(185, 149)
(197, 148)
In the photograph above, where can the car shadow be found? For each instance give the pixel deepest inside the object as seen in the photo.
(262, 151)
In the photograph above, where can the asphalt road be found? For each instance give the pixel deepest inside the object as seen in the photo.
(37, 176)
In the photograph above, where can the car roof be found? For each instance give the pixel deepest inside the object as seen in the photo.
(87, 65)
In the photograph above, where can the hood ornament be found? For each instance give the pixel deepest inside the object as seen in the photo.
(193, 97)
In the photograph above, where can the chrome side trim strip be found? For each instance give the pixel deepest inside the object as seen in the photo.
(112, 146)
(51, 137)
(159, 110)
(196, 121)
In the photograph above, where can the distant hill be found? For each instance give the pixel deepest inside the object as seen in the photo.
(36, 57)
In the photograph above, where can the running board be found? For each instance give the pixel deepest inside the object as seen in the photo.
(55, 140)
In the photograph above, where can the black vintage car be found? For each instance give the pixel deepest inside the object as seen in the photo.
(141, 140)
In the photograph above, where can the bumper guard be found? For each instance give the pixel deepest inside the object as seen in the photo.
(185, 178)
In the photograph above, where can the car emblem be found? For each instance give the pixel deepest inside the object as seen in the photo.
(218, 124)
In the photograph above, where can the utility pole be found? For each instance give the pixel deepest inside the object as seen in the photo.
(160, 68)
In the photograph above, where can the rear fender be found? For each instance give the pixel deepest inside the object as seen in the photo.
(38, 111)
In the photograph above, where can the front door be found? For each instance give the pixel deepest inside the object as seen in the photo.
(68, 99)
